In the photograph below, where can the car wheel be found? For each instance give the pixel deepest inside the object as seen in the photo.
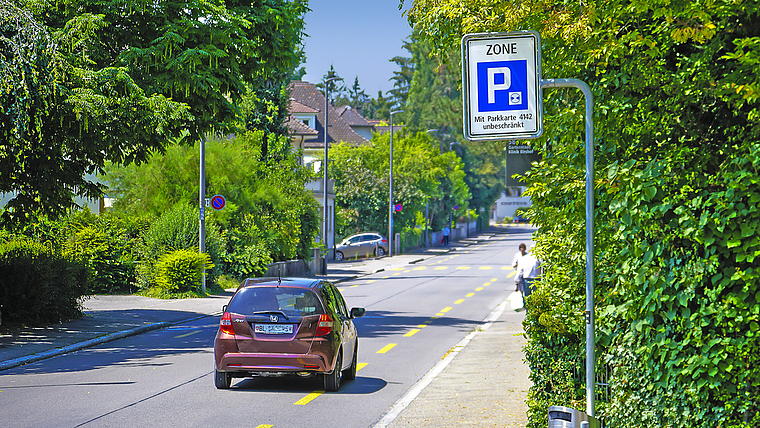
(380, 252)
(332, 380)
(338, 256)
(222, 380)
(350, 373)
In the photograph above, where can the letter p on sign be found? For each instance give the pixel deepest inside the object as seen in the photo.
(499, 79)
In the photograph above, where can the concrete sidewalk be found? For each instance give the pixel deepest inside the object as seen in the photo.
(481, 384)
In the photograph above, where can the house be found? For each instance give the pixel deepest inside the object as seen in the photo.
(306, 125)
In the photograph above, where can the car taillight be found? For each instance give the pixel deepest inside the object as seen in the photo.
(385, 241)
(225, 324)
(325, 325)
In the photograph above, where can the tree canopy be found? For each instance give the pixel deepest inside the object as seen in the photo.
(115, 80)
(421, 174)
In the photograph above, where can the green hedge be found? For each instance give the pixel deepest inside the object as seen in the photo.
(39, 284)
(182, 271)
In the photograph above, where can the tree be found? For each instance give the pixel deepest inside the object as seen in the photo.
(676, 90)
(357, 98)
(61, 120)
(266, 200)
(435, 103)
(131, 77)
(402, 79)
(378, 108)
(421, 174)
(336, 87)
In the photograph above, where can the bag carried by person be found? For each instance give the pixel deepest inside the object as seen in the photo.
(516, 300)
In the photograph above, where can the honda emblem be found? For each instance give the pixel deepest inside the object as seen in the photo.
(274, 318)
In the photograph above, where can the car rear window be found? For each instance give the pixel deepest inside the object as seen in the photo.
(291, 301)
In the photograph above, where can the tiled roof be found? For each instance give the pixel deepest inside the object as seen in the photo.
(352, 117)
(296, 107)
(296, 127)
(309, 95)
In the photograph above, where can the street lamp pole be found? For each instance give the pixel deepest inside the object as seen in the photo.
(324, 166)
(390, 193)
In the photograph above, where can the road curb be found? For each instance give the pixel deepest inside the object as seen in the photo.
(16, 362)
(9, 364)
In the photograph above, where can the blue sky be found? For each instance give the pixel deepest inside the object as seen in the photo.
(358, 37)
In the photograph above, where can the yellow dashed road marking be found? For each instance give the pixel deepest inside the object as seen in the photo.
(512, 274)
(398, 268)
(420, 268)
(397, 273)
(371, 281)
(265, 426)
(469, 294)
(187, 334)
(361, 366)
(308, 399)
(386, 348)
(385, 277)
(493, 280)
(479, 289)
(422, 325)
(459, 301)
(412, 332)
(486, 284)
(446, 309)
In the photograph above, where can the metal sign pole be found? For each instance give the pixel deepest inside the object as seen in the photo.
(590, 339)
(202, 208)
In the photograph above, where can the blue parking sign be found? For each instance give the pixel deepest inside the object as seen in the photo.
(501, 86)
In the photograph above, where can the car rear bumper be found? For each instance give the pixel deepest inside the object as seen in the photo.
(271, 363)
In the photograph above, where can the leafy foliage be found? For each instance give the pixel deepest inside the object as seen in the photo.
(182, 270)
(677, 122)
(176, 229)
(269, 215)
(421, 174)
(114, 81)
(40, 284)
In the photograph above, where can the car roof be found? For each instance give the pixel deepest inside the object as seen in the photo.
(281, 282)
(363, 233)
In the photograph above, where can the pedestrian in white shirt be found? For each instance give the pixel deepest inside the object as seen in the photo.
(519, 254)
(528, 270)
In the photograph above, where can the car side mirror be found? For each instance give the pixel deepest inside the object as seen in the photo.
(358, 312)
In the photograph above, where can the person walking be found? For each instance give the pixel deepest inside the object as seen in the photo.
(518, 255)
(446, 233)
(528, 271)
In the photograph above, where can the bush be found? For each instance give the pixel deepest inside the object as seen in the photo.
(176, 229)
(248, 260)
(39, 284)
(411, 239)
(106, 243)
(182, 271)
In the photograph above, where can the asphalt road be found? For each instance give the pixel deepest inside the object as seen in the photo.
(415, 315)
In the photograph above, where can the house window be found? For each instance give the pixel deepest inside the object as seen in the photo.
(306, 122)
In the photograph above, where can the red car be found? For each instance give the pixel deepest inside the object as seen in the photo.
(282, 326)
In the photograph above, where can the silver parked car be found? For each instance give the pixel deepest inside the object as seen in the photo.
(362, 245)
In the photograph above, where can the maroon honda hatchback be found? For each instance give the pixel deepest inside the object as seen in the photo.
(297, 326)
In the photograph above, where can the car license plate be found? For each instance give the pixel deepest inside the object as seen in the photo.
(273, 328)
